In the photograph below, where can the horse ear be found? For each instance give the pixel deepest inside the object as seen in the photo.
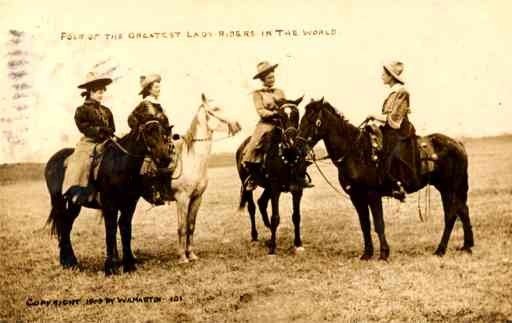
(299, 100)
(203, 98)
(321, 100)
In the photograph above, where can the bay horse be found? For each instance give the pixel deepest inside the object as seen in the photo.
(119, 186)
(348, 148)
(284, 163)
(191, 175)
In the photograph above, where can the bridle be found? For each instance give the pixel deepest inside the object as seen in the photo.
(140, 133)
(210, 113)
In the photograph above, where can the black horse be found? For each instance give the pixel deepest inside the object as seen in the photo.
(349, 148)
(283, 167)
(119, 187)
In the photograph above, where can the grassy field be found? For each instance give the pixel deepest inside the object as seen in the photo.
(236, 281)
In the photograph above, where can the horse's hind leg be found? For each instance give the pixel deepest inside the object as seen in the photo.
(125, 227)
(67, 255)
(191, 224)
(450, 215)
(378, 222)
(468, 230)
(361, 204)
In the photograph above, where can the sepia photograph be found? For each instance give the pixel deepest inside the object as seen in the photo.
(257, 161)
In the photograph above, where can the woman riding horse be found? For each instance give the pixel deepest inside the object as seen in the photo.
(151, 109)
(397, 128)
(96, 123)
(265, 102)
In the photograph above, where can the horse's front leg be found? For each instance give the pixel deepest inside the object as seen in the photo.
(263, 204)
(182, 205)
(195, 203)
(378, 221)
(110, 218)
(274, 221)
(125, 226)
(297, 196)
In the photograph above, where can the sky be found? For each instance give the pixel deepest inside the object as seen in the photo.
(456, 56)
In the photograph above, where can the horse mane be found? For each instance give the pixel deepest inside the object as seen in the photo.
(189, 134)
(354, 135)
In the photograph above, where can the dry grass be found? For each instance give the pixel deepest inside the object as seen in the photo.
(236, 281)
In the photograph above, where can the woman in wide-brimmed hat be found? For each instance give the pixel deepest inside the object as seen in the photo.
(265, 103)
(149, 109)
(96, 122)
(397, 128)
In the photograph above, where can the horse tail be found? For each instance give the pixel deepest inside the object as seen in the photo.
(54, 176)
(57, 216)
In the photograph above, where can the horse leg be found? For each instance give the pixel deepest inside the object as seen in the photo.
(361, 204)
(110, 218)
(182, 204)
(466, 225)
(125, 227)
(67, 255)
(297, 196)
(262, 206)
(378, 222)
(450, 216)
(274, 221)
(251, 207)
(193, 209)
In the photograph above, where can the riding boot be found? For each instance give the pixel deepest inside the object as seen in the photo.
(253, 170)
(397, 190)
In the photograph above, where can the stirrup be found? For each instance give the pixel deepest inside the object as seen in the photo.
(399, 194)
(250, 183)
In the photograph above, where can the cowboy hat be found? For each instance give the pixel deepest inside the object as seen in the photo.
(147, 80)
(93, 80)
(395, 69)
(263, 68)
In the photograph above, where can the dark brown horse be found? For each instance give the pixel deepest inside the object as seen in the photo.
(284, 166)
(119, 184)
(349, 149)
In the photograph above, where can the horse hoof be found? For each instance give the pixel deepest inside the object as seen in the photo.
(383, 258)
(366, 257)
(439, 253)
(465, 249)
(183, 260)
(129, 268)
(192, 257)
(299, 250)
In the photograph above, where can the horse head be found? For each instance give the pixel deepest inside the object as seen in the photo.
(314, 123)
(210, 119)
(155, 142)
(288, 115)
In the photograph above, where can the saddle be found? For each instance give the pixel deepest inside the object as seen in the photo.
(425, 152)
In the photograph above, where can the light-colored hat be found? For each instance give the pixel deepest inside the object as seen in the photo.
(147, 80)
(395, 69)
(94, 80)
(263, 68)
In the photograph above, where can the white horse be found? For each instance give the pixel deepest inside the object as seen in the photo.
(190, 178)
